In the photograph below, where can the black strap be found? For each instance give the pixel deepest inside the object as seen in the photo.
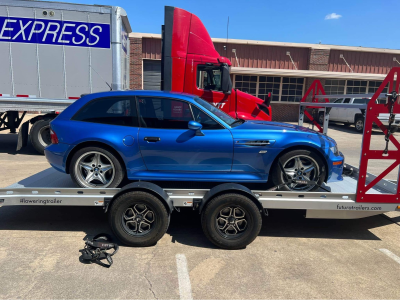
(96, 250)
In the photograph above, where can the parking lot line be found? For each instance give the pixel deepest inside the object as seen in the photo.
(391, 255)
(185, 288)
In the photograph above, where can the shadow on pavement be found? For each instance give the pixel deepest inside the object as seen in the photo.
(185, 227)
(8, 144)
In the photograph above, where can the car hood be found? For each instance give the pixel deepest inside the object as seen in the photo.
(273, 126)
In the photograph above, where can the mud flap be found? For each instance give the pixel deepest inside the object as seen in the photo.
(23, 136)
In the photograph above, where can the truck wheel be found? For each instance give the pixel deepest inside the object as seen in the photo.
(96, 167)
(138, 219)
(40, 135)
(231, 221)
(301, 165)
(359, 125)
(321, 118)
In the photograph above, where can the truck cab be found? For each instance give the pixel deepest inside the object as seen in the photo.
(190, 64)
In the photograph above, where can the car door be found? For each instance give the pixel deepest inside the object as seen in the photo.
(334, 114)
(167, 144)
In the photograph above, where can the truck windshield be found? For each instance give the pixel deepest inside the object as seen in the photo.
(209, 77)
(216, 111)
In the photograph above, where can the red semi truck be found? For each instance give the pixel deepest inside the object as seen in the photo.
(191, 64)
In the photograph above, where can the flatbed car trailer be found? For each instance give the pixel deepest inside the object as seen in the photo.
(230, 212)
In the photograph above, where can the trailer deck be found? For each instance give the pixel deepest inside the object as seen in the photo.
(53, 188)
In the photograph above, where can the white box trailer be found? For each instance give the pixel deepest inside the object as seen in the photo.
(51, 53)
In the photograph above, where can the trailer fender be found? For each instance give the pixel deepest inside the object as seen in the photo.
(229, 188)
(146, 187)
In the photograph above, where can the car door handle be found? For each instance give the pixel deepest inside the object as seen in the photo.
(152, 139)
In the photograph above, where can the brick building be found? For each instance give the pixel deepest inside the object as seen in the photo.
(284, 69)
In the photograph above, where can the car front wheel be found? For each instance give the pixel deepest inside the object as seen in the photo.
(304, 165)
(96, 167)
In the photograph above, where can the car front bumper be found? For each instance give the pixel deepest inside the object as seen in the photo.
(336, 164)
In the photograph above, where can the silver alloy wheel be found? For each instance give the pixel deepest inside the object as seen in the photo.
(138, 220)
(301, 167)
(44, 136)
(231, 221)
(94, 170)
(360, 124)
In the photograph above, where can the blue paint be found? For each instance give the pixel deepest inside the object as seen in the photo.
(54, 32)
(221, 155)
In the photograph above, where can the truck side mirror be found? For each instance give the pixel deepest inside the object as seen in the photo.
(226, 83)
(268, 99)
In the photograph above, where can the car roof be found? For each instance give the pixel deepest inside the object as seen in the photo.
(183, 96)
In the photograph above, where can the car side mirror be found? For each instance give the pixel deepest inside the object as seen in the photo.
(196, 126)
(226, 83)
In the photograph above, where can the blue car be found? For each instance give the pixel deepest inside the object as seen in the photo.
(105, 137)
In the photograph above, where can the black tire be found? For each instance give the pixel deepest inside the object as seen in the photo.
(277, 177)
(212, 211)
(321, 118)
(359, 124)
(123, 231)
(40, 135)
(114, 180)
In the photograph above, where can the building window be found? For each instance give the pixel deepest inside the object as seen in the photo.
(292, 89)
(334, 86)
(269, 85)
(374, 85)
(356, 87)
(247, 84)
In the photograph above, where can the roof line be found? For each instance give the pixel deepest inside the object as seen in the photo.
(306, 73)
(280, 44)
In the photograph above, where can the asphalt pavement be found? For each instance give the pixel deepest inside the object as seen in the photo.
(293, 257)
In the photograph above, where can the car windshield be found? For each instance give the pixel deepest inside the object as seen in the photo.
(216, 111)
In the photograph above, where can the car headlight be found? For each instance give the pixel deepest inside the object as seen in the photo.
(334, 149)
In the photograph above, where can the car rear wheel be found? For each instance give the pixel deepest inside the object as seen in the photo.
(96, 167)
(299, 165)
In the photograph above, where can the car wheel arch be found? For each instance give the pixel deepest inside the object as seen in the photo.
(92, 144)
(302, 147)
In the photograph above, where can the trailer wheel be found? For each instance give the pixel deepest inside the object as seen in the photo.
(231, 221)
(40, 135)
(138, 219)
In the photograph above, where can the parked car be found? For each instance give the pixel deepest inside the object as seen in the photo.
(149, 135)
(348, 115)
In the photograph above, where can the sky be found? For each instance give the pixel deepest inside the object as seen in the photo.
(363, 23)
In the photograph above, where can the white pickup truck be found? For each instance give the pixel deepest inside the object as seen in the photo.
(354, 115)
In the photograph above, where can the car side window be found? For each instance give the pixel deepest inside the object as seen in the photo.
(347, 100)
(206, 121)
(163, 113)
(110, 110)
(338, 101)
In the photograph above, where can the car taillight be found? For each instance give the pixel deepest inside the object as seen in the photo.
(53, 136)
